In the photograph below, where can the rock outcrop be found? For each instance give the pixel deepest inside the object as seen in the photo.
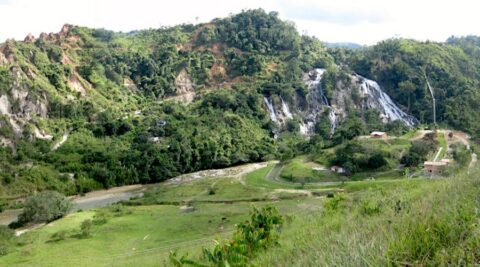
(354, 92)
(184, 88)
(29, 38)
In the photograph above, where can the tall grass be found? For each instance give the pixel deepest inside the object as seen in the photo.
(415, 224)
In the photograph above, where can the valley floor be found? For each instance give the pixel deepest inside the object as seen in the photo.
(374, 222)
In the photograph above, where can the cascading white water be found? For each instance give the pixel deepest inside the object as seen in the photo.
(286, 110)
(378, 99)
(271, 110)
(303, 128)
(318, 100)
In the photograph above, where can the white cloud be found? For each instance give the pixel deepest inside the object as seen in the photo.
(365, 22)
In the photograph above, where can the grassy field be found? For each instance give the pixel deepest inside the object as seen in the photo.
(142, 235)
(300, 170)
(320, 231)
(147, 229)
(411, 134)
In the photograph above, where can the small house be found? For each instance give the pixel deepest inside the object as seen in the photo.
(433, 168)
(379, 135)
(155, 140)
(337, 169)
(446, 161)
(161, 123)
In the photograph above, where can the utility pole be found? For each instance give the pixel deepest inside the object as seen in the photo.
(433, 99)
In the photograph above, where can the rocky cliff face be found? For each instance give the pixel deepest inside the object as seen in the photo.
(184, 88)
(354, 92)
(19, 105)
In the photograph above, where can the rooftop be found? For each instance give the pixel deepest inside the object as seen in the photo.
(434, 163)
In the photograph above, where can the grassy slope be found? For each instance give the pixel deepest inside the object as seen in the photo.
(443, 144)
(300, 169)
(144, 235)
(359, 228)
(414, 223)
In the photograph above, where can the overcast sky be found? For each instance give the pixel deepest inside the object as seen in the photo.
(360, 21)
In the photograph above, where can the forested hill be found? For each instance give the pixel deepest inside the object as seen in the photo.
(84, 108)
(402, 67)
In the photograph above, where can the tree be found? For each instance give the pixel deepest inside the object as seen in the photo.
(45, 206)
(376, 161)
(407, 88)
(411, 159)
(5, 79)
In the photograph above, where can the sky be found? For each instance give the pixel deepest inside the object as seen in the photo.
(361, 21)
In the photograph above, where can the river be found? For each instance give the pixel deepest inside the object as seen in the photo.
(103, 198)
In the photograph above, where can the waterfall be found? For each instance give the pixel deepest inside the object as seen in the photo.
(378, 99)
(303, 128)
(318, 100)
(286, 110)
(271, 110)
(333, 120)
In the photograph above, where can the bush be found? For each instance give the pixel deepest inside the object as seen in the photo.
(46, 206)
(100, 218)
(333, 204)
(461, 154)
(58, 236)
(211, 190)
(86, 228)
(250, 237)
(369, 207)
(376, 161)
(5, 79)
(419, 150)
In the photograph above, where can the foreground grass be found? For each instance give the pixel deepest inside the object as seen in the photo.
(414, 223)
(144, 236)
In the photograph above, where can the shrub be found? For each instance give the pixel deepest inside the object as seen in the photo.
(370, 208)
(411, 159)
(376, 161)
(46, 206)
(332, 204)
(461, 154)
(5, 79)
(86, 228)
(211, 190)
(100, 218)
(250, 237)
(58, 236)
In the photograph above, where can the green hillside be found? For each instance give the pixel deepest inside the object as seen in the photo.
(238, 142)
(85, 109)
